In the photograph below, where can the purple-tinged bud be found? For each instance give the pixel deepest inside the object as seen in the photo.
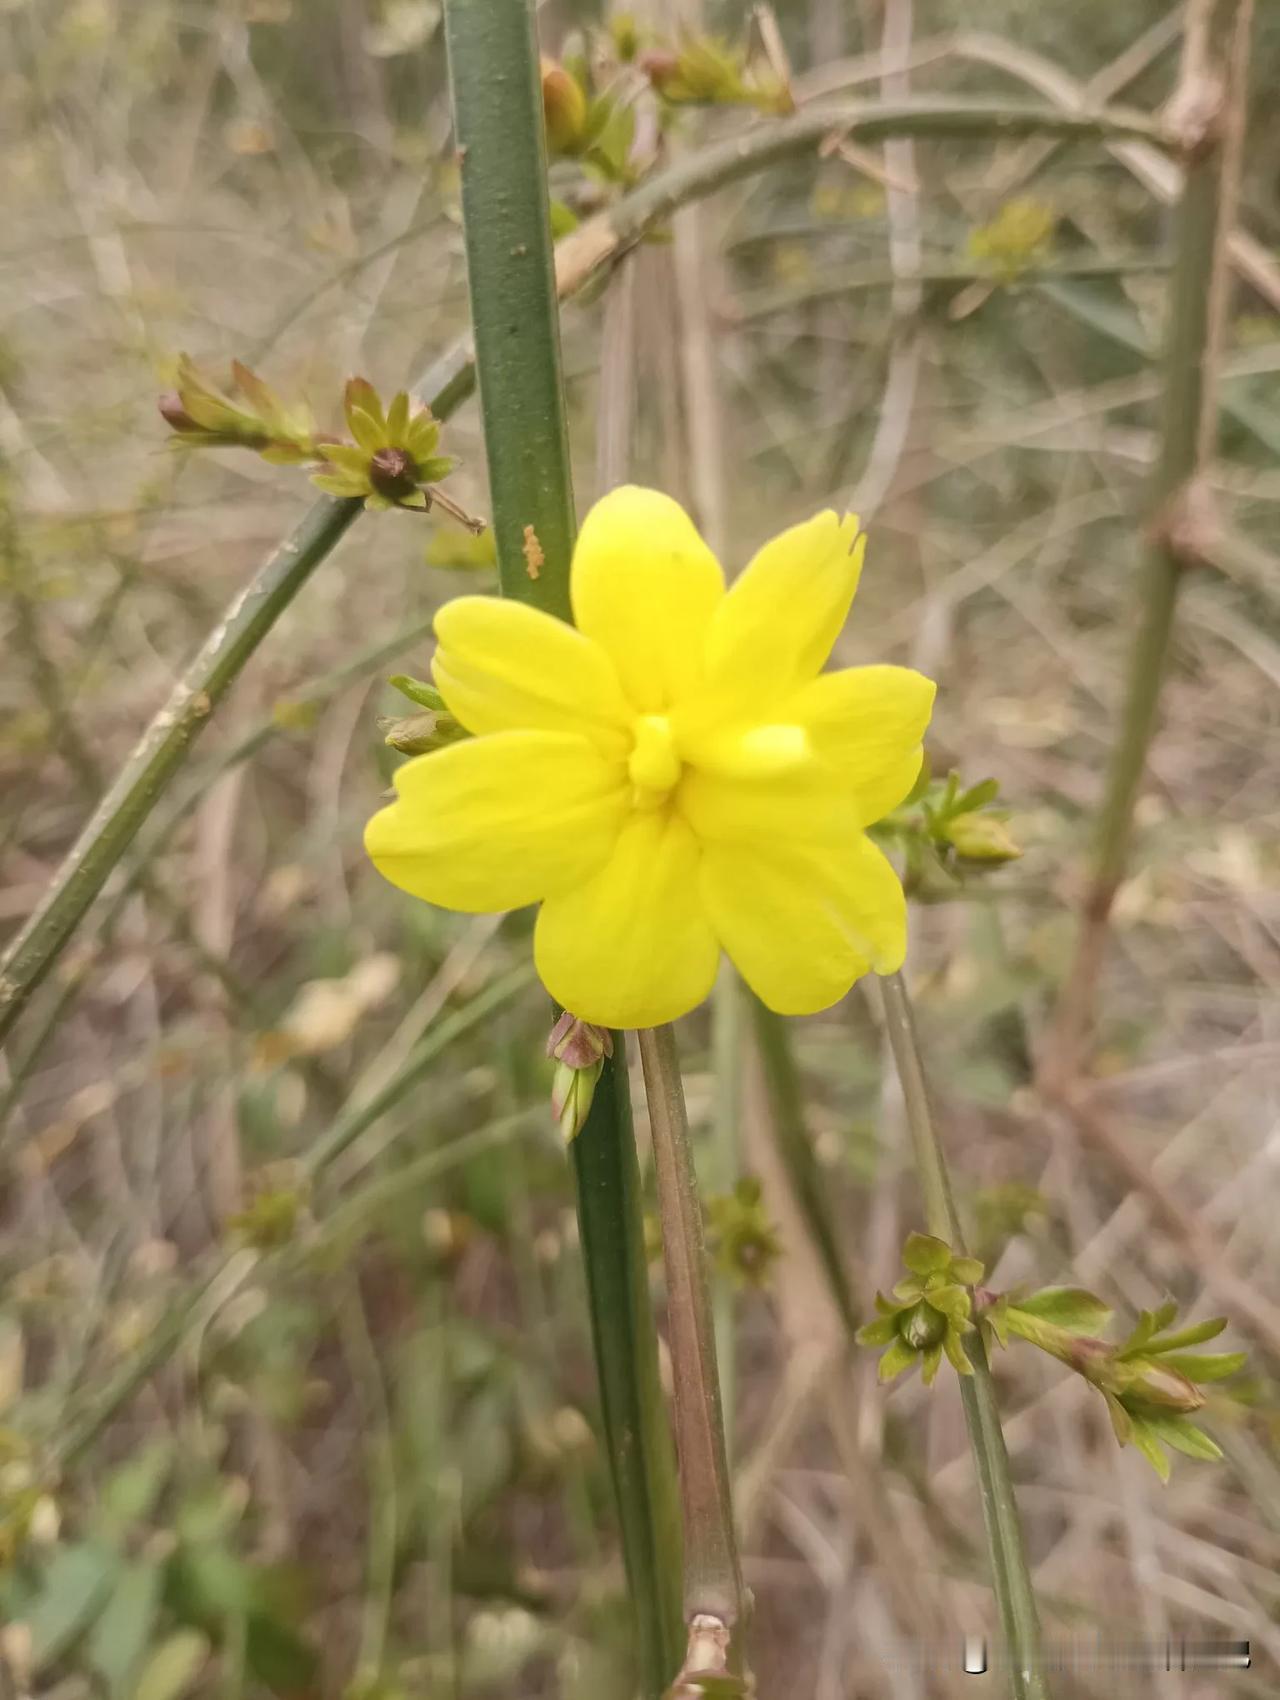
(577, 1043)
(174, 413)
(392, 473)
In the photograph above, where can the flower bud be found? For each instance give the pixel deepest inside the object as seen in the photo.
(661, 67)
(981, 838)
(564, 107)
(174, 413)
(572, 1090)
(578, 1044)
(922, 1326)
(626, 36)
(416, 734)
(1168, 1388)
(392, 473)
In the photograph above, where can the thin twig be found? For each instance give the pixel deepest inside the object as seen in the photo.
(1208, 110)
(1010, 1571)
(712, 1571)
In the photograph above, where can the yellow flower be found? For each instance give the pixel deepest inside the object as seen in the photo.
(673, 776)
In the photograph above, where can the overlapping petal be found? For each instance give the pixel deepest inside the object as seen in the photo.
(868, 723)
(645, 586)
(775, 628)
(802, 921)
(805, 800)
(501, 665)
(632, 946)
(497, 822)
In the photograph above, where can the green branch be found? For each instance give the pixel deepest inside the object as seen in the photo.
(1010, 1573)
(493, 69)
(1181, 528)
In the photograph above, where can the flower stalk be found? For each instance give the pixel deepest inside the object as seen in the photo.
(1010, 1571)
(497, 101)
(713, 1587)
(1206, 116)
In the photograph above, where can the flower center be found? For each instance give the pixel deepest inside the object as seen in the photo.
(654, 765)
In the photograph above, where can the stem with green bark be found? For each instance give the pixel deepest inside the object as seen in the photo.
(497, 101)
(712, 1572)
(1208, 113)
(165, 744)
(1010, 1573)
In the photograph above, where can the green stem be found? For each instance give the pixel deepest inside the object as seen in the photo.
(1211, 100)
(493, 70)
(727, 1072)
(712, 1572)
(1010, 1572)
(165, 744)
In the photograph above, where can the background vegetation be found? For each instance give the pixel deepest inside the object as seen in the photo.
(269, 1429)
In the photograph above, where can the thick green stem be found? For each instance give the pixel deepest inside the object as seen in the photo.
(165, 744)
(1010, 1572)
(1209, 111)
(712, 1573)
(493, 69)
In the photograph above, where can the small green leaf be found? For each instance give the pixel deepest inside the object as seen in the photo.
(1205, 1366)
(1165, 1314)
(956, 1353)
(953, 1302)
(900, 1356)
(925, 1255)
(877, 1333)
(173, 1667)
(1196, 1335)
(1141, 1436)
(1071, 1308)
(1120, 1419)
(1146, 1327)
(986, 791)
(929, 1364)
(75, 1587)
(417, 690)
(123, 1631)
(1185, 1437)
(968, 1270)
(563, 220)
(909, 1289)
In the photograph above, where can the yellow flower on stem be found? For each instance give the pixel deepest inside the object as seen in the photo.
(673, 776)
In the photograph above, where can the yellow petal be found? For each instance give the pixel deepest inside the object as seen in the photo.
(741, 805)
(502, 665)
(495, 823)
(645, 586)
(801, 922)
(868, 723)
(631, 947)
(775, 628)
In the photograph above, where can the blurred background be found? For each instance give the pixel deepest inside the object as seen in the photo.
(361, 1458)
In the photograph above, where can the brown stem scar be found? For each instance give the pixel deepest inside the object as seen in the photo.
(534, 559)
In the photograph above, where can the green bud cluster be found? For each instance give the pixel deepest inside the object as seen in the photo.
(929, 1314)
(945, 829)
